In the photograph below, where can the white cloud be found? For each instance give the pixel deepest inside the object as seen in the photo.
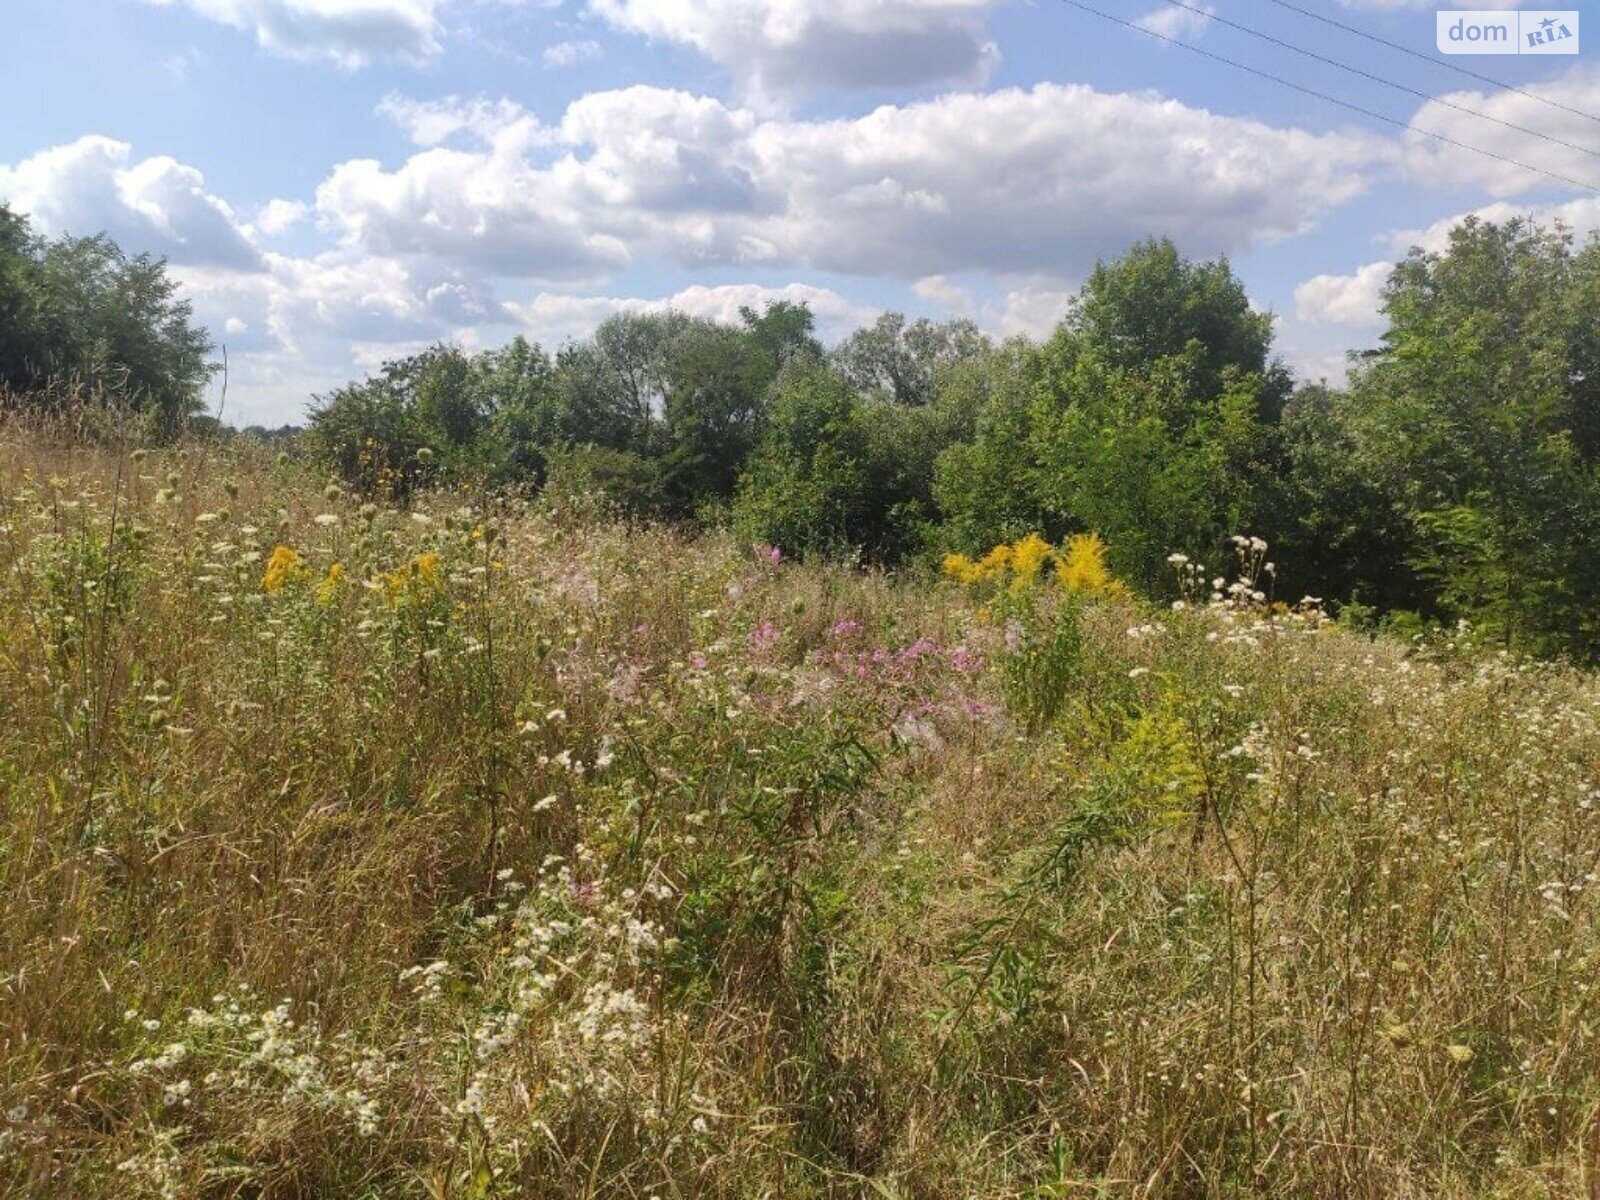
(157, 204)
(1438, 163)
(1171, 21)
(278, 216)
(1582, 217)
(776, 47)
(566, 54)
(553, 318)
(350, 33)
(1033, 310)
(1016, 181)
(1352, 300)
(431, 123)
(952, 297)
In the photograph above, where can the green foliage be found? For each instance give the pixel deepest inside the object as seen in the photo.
(806, 484)
(79, 316)
(1148, 417)
(1153, 304)
(1458, 476)
(1478, 415)
(903, 362)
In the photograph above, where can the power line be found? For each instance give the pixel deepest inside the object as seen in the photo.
(1435, 60)
(1366, 112)
(1334, 62)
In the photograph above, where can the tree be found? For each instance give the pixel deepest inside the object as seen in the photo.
(716, 380)
(78, 312)
(1153, 303)
(903, 362)
(1146, 417)
(806, 486)
(785, 330)
(1479, 414)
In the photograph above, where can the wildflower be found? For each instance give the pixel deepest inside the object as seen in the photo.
(1459, 1054)
(328, 589)
(427, 568)
(764, 637)
(1082, 566)
(326, 519)
(1027, 558)
(284, 564)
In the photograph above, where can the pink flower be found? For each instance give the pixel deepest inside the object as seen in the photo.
(764, 637)
(965, 660)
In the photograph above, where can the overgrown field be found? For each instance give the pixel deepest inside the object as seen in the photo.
(484, 850)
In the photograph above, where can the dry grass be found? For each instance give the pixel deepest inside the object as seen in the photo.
(595, 862)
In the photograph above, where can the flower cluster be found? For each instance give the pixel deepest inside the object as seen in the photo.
(1079, 566)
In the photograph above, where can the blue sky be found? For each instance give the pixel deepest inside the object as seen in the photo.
(337, 182)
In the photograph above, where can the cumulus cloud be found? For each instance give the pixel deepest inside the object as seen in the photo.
(431, 123)
(1438, 163)
(1582, 217)
(952, 297)
(1032, 310)
(1015, 181)
(278, 216)
(1171, 21)
(777, 47)
(553, 318)
(157, 205)
(1352, 300)
(351, 33)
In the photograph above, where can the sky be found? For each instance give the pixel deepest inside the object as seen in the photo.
(336, 183)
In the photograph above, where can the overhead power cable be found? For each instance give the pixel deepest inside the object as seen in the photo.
(1446, 139)
(1435, 60)
(1375, 78)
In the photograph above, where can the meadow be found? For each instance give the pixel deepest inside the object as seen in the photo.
(487, 847)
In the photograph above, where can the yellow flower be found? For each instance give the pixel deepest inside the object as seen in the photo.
(413, 582)
(328, 589)
(283, 565)
(960, 568)
(1027, 556)
(1081, 567)
(994, 563)
(427, 568)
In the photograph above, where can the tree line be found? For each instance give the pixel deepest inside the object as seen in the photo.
(1455, 476)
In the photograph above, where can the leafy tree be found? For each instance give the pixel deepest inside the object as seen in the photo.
(1147, 417)
(1152, 303)
(903, 362)
(1479, 414)
(784, 329)
(1114, 456)
(80, 312)
(715, 383)
(806, 486)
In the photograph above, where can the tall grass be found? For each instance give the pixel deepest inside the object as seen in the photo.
(525, 854)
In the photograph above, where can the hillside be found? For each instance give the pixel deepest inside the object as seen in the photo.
(475, 849)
